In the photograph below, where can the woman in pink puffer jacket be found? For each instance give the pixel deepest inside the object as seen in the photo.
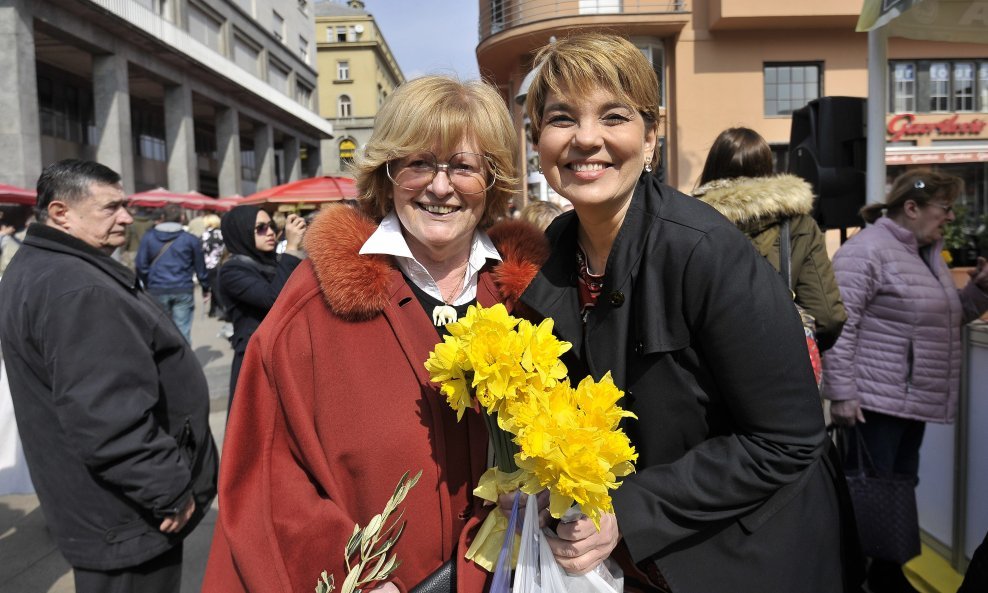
(896, 365)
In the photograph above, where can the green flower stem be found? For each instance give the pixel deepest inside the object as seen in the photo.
(502, 443)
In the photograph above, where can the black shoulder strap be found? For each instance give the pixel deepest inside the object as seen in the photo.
(161, 252)
(785, 253)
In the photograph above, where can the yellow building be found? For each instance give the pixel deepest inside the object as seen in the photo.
(356, 72)
(724, 63)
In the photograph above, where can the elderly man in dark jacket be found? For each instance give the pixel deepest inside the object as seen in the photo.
(112, 404)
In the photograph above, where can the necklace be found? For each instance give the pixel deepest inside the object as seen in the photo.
(445, 313)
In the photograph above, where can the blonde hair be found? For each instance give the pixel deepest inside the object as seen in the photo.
(593, 60)
(541, 213)
(211, 221)
(919, 185)
(437, 113)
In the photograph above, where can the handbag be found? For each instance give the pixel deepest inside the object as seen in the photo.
(443, 580)
(808, 321)
(884, 508)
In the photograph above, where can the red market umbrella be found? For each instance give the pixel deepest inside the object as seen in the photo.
(10, 194)
(156, 198)
(306, 191)
(227, 203)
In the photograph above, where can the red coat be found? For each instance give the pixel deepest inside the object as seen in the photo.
(334, 405)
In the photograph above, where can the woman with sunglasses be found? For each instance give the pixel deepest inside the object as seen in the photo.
(253, 274)
(335, 403)
(896, 365)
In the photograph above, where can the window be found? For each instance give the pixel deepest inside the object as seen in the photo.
(278, 25)
(303, 7)
(303, 49)
(246, 55)
(600, 6)
(278, 77)
(347, 150)
(939, 86)
(904, 93)
(205, 28)
(148, 130)
(790, 86)
(65, 107)
(343, 70)
(303, 94)
(963, 86)
(341, 34)
(983, 86)
(497, 16)
(344, 108)
(655, 54)
(352, 32)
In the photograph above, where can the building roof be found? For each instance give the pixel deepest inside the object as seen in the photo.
(332, 8)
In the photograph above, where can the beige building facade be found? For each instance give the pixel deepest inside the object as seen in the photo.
(356, 73)
(724, 63)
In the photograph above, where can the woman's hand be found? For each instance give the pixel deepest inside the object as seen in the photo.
(580, 548)
(176, 522)
(294, 231)
(846, 412)
(506, 501)
(979, 275)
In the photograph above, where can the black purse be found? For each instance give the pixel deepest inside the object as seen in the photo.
(884, 507)
(443, 580)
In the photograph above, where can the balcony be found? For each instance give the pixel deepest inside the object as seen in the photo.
(502, 15)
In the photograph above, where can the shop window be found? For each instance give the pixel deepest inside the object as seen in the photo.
(904, 90)
(65, 107)
(344, 107)
(789, 87)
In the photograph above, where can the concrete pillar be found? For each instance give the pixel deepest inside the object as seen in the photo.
(293, 167)
(228, 149)
(20, 131)
(183, 175)
(313, 161)
(111, 104)
(264, 156)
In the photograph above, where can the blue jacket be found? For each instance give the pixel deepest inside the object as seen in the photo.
(172, 272)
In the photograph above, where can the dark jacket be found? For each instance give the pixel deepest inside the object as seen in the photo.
(111, 402)
(758, 206)
(731, 492)
(173, 270)
(248, 290)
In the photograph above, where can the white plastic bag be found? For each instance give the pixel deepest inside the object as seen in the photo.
(527, 570)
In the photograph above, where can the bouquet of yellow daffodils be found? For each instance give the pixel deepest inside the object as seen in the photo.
(545, 433)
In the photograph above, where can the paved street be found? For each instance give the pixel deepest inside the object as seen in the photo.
(29, 560)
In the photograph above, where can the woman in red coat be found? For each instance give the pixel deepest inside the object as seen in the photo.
(334, 403)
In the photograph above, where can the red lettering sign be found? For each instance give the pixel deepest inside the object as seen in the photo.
(904, 124)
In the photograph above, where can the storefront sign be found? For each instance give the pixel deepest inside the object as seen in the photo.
(905, 125)
(920, 158)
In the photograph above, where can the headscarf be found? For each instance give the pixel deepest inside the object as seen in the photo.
(238, 235)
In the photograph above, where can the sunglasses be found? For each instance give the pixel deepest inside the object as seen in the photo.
(264, 227)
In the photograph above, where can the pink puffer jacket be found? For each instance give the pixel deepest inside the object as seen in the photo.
(900, 351)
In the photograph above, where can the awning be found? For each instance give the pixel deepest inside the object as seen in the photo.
(307, 191)
(10, 194)
(193, 200)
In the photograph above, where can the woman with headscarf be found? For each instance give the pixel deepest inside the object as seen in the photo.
(253, 275)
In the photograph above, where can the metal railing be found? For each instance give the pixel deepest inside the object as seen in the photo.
(500, 15)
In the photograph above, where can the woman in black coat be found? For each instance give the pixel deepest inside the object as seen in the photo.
(733, 489)
(253, 275)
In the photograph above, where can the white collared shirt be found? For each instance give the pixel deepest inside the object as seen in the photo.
(389, 240)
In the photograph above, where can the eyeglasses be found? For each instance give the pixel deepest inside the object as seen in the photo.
(468, 172)
(947, 208)
(264, 227)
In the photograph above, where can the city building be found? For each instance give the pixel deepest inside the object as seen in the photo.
(217, 96)
(723, 63)
(356, 73)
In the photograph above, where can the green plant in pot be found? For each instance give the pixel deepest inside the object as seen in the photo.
(966, 236)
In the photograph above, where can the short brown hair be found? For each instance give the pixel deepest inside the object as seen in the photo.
(919, 185)
(737, 152)
(438, 112)
(540, 213)
(588, 60)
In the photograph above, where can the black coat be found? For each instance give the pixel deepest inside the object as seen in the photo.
(249, 290)
(731, 491)
(111, 402)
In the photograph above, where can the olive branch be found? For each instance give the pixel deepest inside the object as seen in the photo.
(367, 551)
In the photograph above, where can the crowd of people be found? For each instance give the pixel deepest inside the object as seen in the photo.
(693, 304)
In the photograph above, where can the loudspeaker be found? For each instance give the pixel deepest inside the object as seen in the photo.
(827, 149)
